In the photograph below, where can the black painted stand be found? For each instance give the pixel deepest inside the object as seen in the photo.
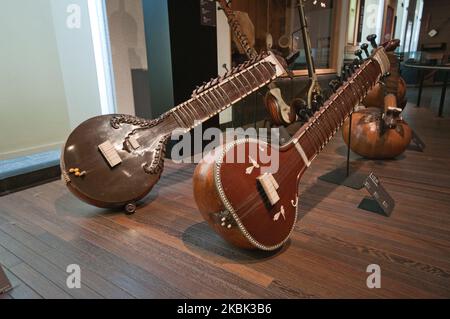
(380, 202)
(371, 205)
(341, 175)
(421, 79)
(5, 285)
(416, 143)
(444, 89)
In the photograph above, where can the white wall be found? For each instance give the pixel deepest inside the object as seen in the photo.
(373, 19)
(223, 56)
(33, 107)
(48, 79)
(76, 61)
(127, 36)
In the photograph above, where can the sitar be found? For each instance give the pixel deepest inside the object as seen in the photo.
(252, 207)
(115, 160)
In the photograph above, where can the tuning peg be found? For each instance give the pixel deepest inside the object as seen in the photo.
(343, 74)
(353, 67)
(334, 85)
(290, 59)
(331, 85)
(358, 53)
(364, 47)
(356, 63)
(348, 70)
(371, 38)
(301, 108)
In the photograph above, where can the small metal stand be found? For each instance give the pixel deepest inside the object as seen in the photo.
(380, 201)
(5, 285)
(342, 176)
(419, 145)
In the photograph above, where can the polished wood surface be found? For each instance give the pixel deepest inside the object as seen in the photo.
(138, 145)
(167, 249)
(268, 226)
(106, 186)
(372, 139)
(264, 205)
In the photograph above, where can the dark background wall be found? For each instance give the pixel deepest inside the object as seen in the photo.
(193, 52)
(193, 48)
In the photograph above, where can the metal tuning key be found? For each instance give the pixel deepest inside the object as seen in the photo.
(348, 70)
(332, 86)
(303, 111)
(343, 74)
(358, 53)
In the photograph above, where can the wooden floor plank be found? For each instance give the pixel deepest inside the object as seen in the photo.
(20, 289)
(35, 260)
(166, 250)
(90, 279)
(40, 284)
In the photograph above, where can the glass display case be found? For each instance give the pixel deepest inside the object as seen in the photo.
(275, 24)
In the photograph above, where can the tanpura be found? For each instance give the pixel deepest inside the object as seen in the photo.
(377, 133)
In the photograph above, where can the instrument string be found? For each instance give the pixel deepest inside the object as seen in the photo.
(358, 80)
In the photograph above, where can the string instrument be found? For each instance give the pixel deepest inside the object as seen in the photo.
(252, 202)
(394, 83)
(377, 133)
(312, 97)
(115, 160)
(279, 111)
(380, 133)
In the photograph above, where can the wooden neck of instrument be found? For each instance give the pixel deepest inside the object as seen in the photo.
(319, 130)
(390, 102)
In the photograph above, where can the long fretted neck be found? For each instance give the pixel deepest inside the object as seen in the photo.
(320, 128)
(220, 93)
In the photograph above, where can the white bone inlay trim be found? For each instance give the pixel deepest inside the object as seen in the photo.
(249, 169)
(302, 153)
(269, 188)
(134, 143)
(229, 207)
(274, 181)
(281, 212)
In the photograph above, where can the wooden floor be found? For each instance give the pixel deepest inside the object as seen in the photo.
(166, 250)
